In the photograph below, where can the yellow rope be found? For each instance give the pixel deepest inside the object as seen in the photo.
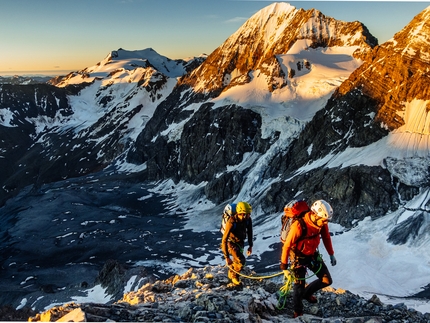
(289, 278)
(256, 277)
(284, 291)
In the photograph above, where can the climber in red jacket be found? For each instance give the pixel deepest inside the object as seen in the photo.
(300, 249)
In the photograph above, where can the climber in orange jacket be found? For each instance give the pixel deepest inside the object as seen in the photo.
(300, 249)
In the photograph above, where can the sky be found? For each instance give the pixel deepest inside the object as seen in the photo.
(54, 37)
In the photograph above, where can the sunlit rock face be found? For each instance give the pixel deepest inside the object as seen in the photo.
(396, 73)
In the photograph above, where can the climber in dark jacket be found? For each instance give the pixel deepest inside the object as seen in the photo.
(237, 229)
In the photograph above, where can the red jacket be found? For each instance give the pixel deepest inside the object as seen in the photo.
(306, 246)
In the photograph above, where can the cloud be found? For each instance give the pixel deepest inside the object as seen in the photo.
(235, 20)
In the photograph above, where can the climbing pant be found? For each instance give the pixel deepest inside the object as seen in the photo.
(317, 266)
(236, 252)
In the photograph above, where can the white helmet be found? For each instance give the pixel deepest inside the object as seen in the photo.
(322, 209)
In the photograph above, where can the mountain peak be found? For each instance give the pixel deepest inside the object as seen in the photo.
(270, 32)
(274, 8)
(415, 36)
(130, 59)
(126, 62)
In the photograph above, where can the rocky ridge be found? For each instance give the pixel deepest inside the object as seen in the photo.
(205, 295)
(24, 80)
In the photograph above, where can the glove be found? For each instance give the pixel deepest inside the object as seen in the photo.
(228, 261)
(333, 260)
(283, 266)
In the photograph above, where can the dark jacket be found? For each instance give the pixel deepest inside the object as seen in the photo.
(236, 232)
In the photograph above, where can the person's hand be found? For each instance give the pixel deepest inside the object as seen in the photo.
(228, 261)
(333, 260)
(249, 251)
(283, 266)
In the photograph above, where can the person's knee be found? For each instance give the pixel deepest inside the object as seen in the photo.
(237, 266)
(240, 266)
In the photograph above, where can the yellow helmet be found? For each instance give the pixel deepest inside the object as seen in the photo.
(243, 208)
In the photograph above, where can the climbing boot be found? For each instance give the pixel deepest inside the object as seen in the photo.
(297, 314)
(235, 281)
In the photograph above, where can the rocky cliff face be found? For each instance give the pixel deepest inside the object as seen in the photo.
(395, 73)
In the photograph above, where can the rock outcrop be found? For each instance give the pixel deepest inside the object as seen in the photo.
(204, 295)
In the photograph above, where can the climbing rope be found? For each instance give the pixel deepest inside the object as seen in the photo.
(275, 275)
(255, 277)
(285, 290)
(289, 279)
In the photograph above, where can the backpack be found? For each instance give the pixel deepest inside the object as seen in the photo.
(293, 211)
(229, 210)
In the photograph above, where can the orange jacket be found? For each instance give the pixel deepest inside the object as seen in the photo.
(306, 246)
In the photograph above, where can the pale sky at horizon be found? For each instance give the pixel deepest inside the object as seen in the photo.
(61, 36)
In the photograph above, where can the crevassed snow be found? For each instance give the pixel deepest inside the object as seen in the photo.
(305, 94)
